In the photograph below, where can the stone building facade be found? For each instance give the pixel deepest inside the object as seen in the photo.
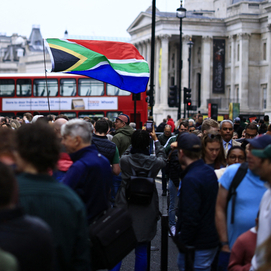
(244, 27)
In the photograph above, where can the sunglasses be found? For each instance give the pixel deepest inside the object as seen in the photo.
(214, 136)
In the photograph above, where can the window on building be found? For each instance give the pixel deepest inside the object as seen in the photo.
(264, 97)
(90, 87)
(238, 52)
(39, 87)
(264, 51)
(230, 54)
(23, 87)
(114, 91)
(237, 94)
(67, 87)
(7, 87)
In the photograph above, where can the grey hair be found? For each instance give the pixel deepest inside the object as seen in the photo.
(78, 127)
(168, 126)
(223, 121)
(191, 121)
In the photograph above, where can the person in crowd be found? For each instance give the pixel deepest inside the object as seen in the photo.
(226, 131)
(62, 116)
(8, 262)
(171, 123)
(237, 127)
(26, 237)
(199, 121)
(105, 146)
(235, 135)
(191, 123)
(140, 160)
(266, 120)
(245, 209)
(122, 139)
(27, 117)
(208, 126)
(133, 125)
(163, 138)
(250, 132)
(90, 175)
(243, 250)
(7, 139)
(174, 173)
(161, 126)
(268, 130)
(124, 132)
(235, 155)
(262, 128)
(64, 161)
(196, 207)
(15, 124)
(191, 129)
(264, 229)
(40, 195)
(172, 143)
(212, 150)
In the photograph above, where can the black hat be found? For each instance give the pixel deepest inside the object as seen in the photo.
(190, 142)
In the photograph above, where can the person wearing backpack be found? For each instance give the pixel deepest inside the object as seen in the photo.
(144, 216)
(237, 205)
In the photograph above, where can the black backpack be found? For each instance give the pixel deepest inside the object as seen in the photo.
(140, 188)
(237, 179)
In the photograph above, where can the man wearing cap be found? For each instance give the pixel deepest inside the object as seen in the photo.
(264, 228)
(124, 132)
(196, 209)
(247, 200)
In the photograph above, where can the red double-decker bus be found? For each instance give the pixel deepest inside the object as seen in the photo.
(72, 95)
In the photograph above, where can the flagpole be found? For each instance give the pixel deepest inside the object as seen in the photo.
(152, 57)
(46, 78)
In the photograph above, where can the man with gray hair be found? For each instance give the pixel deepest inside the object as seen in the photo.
(90, 174)
(226, 131)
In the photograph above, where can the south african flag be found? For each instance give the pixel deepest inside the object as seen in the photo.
(117, 63)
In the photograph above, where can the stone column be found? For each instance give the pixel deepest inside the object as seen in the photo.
(243, 72)
(185, 57)
(164, 71)
(232, 41)
(157, 86)
(206, 86)
(268, 51)
(144, 49)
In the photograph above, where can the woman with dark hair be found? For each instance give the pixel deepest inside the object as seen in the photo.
(144, 217)
(213, 151)
(236, 154)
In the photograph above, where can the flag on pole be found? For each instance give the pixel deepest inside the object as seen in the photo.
(117, 63)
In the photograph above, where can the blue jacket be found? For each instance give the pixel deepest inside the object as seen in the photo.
(90, 176)
(196, 213)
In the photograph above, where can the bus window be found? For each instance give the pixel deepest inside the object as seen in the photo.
(7, 87)
(112, 115)
(23, 87)
(67, 87)
(70, 115)
(114, 91)
(90, 87)
(91, 114)
(40, 87)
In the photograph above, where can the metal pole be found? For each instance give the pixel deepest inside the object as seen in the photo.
(189, 71)
(134, 108)
(164, 243)
(152, 57)
(180, 71)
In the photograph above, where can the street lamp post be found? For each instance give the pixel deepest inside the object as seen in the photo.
(180, 13)
(190, 44)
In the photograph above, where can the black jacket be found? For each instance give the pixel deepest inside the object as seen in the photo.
(28, 238)
(174, 167)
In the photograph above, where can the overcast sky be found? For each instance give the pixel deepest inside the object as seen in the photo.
(108, 18)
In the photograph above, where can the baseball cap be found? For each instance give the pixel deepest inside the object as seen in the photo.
(260, 142)
(123, 117)
(266, 153)
(189, 142)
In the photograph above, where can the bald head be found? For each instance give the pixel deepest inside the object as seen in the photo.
(57, 126)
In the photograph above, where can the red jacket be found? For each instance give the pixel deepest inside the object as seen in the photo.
(172, 124)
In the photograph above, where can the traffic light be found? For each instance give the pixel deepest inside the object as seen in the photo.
(149, 98)
(187, 96)
(173, 96)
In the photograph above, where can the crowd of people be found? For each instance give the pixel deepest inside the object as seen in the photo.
(58, 175)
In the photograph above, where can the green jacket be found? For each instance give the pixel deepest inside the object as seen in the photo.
(167, 145)
(122, 138)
